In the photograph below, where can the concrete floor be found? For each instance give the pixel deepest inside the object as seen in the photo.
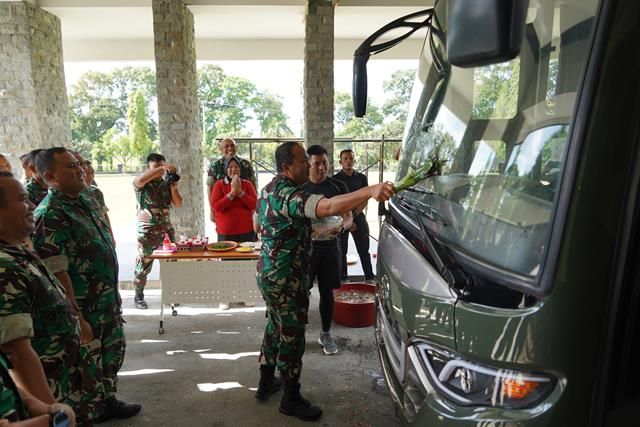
(203, 371)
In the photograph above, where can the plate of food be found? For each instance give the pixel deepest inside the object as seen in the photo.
(244, 249)
(247, 244)
(225, 245)
(327, 228)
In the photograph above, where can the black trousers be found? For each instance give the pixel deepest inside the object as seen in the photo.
(361, 238)
(325, 265)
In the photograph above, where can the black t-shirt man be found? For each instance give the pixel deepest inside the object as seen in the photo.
(328, 188)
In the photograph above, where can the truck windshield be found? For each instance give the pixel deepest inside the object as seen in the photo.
(501, 133)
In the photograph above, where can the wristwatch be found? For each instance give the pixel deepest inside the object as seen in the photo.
(59, 419)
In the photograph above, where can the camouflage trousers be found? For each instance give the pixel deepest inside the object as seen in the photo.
(87, 388)
(147, 242)
(283, 342)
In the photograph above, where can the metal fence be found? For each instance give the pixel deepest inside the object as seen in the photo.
(372, 155)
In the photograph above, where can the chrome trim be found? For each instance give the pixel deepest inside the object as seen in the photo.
(395, 349)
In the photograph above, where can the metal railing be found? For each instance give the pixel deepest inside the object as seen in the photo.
(381, 155)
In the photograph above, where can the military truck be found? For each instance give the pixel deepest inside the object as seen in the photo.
(508, 282)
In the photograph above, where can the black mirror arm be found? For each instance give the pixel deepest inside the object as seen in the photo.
(368, 48)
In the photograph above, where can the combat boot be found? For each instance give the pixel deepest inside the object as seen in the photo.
(295, 405)
(268, 384)
(139, 301)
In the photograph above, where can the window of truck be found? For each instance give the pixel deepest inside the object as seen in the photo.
(501, 133)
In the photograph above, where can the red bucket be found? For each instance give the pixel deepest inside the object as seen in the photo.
(350, 313)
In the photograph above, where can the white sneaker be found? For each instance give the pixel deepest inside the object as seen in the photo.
(223, 306)
(329, 346)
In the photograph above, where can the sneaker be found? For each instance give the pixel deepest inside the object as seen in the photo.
(139, 301)
(329, 346)
(223, 306)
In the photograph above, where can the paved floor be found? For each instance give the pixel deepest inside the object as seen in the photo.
(203, 371)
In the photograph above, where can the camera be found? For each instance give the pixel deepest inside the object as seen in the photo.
(171, 177)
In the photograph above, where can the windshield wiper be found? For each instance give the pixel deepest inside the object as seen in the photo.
(459, 282)
(423, 208)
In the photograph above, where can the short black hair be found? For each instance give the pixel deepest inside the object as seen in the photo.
(155, 157)
(25, 160)
(346, 150)
(45, 159)
(31, 155)
(3, 197)
(284, 154)
(316, 150)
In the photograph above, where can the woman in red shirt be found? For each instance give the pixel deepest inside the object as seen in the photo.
(233, 201)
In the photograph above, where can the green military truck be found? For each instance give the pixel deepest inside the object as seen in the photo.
(508, 274)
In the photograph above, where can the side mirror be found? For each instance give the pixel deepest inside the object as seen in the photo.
(359, 88)
(484, 32)
(367, 48)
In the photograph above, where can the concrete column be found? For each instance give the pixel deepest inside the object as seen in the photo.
(34, 109)
(318, 75)
(178, 108)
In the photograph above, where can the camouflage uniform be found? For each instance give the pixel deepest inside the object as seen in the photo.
(11, 407)
(71, 236)
(216, 171)
(35, 192)
(284, 213)
(154, 203)
(96, 196)
(33, 304)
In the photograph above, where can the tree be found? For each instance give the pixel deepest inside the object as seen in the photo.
(273, 121)
(350, 126)
(141, 144)
(495, 90)
(230, 103)
(399, 85)
(99, 102)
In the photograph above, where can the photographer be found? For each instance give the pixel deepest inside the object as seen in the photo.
(156, 190)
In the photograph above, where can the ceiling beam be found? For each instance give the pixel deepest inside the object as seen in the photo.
(147, 3)
(221, 50)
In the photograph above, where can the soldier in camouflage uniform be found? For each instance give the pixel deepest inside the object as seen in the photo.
(217, 170)
(17, 404)
(73, 241)
(38, 325)
(36, 187)
(283, 218)
(93, 192)
(154, 196)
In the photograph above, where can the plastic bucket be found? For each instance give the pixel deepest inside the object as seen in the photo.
(354, 314)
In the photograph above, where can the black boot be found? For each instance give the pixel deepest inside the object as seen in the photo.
(268, 384)
(139, 301)
(114, 408)
(294, 404)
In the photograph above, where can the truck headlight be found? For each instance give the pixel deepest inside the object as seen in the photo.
(471, 384)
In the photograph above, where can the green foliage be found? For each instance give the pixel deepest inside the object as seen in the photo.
(99, 102)
(141, 144)
(348, 125)
(229, 103)
(399, 85)
(495, 90)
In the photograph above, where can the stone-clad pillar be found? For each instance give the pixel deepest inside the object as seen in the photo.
(318, 75)
(34, 109)
(178, 108)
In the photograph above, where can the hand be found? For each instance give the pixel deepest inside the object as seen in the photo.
(86, 334)
(236, 185)
(170, 168)
(382, 191)
(55, 407)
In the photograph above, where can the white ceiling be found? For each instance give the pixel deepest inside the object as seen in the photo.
(94, 30)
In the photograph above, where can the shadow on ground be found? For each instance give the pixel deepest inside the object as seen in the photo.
(203, 371)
